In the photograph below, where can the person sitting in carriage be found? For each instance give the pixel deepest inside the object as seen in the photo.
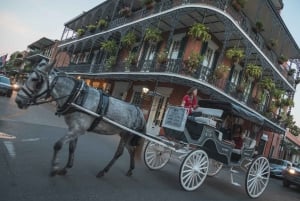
(190, 100)
(237, 137)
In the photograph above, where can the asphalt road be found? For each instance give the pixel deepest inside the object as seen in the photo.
(26, 145)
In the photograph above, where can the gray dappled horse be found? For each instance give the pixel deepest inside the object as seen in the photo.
(47, 82)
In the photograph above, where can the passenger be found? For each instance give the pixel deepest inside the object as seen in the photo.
(190, 100)
(237, 137)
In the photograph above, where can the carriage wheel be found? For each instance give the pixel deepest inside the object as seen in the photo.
(257, 177)
(193, 170)
(214, 167)
(156, 156)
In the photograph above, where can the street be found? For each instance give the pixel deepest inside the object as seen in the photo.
(26, 146)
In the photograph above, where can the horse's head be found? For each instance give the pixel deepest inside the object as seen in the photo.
(36, 86)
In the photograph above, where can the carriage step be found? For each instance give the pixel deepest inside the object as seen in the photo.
(234, 171)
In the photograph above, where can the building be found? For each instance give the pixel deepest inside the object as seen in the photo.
(234, 50)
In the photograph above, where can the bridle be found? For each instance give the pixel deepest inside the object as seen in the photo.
(32, 95)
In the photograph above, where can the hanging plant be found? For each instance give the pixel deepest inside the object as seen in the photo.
(125, 11)
(109, 46)
(148, 3)
(238, 4)
(80, 32)
(277, 93)
(153, 35)
(282, 59)
(259, 27)
(221, 71)
(271, 44)
(110, 62)
(235, 54)
(131, 59)
(200, 32)
(91, 28)
(102, 23)
(129, 40)
(267, 83)
(288, 102)
(253, 70)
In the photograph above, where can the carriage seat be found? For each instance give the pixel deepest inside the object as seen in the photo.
(203, 120)
(248, 144)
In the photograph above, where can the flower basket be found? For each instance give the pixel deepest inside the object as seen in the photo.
(235, 54)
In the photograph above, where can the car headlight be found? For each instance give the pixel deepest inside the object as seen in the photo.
(292, 171)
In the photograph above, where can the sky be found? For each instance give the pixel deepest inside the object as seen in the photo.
(24, 22)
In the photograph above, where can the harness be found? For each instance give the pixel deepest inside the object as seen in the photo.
(78, 96)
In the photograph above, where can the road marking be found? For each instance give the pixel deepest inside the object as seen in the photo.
(7, 136)
(10, 148)
(30, 140)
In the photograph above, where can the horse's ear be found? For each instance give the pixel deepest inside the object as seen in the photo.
(44, 66)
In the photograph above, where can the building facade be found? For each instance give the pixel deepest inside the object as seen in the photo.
(232, 50)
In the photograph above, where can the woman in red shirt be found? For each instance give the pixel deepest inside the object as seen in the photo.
(190, 101)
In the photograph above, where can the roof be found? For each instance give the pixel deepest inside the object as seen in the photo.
(206, 88)
(293, 138)
(41, 44)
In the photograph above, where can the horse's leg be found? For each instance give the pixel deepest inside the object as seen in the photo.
(118, 153)
(131, 151)
(72, 147)
(57, 147)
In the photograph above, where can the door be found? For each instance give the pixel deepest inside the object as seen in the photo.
(158, 106)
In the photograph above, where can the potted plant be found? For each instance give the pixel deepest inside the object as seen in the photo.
(288, 102)
(153, 35)
(238, 4)
(148, 3)
(277, 93)
(110, 62)
(235, 54)
(241, 87)
(91, 28)
(271, 44)
(220, 71)
(162, 57)
(80, 32)
(200, 32)
(282, 59)
(102, 23)
(267, 83)
(130, 60)
(109, 46)
(129, 40)
(193, 62)
(125, 11)
(253, 71)
(259, 27)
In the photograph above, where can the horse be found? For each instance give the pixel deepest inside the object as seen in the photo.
(47, 84)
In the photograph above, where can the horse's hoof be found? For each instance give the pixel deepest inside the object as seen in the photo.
(100, 174)
(129, 173)
(62, 171)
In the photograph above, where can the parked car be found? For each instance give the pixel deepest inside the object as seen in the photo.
(5, 86)
(277, 166)
(291, 175)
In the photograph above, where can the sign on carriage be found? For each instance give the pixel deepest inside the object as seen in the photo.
(175, 118)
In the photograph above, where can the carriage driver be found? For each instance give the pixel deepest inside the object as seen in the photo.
(190, 100)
